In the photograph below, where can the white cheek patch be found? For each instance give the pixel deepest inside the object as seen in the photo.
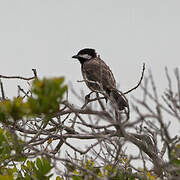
(85, 56)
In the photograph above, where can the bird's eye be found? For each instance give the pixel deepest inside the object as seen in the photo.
(85, 56)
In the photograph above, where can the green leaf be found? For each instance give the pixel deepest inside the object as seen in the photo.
(27, 177)
(28, 163)
(39, 164)
(46, 166)
(177, 162)
(58, 178)
(6, 177)
(76, 178)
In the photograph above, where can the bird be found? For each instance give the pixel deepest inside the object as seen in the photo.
(99, 78)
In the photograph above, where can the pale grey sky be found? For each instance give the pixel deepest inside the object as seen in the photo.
(44, 34)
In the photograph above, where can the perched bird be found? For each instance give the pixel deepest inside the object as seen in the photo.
(99, 77)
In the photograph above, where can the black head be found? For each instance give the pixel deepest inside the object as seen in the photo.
(85, 55)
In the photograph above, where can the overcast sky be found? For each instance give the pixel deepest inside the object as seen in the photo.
(44, 34)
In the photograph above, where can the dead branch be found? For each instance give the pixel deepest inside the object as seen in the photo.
(142, 75)
(2, 90)
(20, 77)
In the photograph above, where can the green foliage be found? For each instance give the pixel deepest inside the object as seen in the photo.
(175, 156)
(10, 148)
(58, 178)
(8, 173)
(5, 148)
(119, 172)
(13, 110)
(38, 169)
(108, 171)
(47, 95)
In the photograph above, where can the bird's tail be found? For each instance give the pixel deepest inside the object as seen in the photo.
(119, 99)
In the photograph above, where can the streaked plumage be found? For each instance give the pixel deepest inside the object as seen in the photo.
(99, 77)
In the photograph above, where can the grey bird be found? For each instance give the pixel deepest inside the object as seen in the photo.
(98, 77)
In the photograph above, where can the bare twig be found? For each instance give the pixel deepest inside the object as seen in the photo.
(20, 77)
(35, 73)
(23, 91)
(176, 71)
(138, 82)
(2, 90)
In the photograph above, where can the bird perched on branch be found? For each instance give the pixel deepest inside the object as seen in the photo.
(99, 78)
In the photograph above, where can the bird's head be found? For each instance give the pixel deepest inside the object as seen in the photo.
(85, 55)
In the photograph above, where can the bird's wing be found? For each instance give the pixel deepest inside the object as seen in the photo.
(96, 70)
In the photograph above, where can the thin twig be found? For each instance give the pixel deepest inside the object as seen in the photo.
(138, 82)
(169, 79)
(20, 77)
(22, 90)
(17, 77)
(176, 71)
(35, 73)
(2, 90)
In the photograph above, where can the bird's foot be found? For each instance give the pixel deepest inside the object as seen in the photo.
(87, 97)
(87, 100)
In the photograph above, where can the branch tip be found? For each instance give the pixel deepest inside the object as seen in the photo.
(142, 75)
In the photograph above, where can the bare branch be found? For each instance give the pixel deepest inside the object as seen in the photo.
(100, 134)
(20, 77)
(2, 90)
(35, 73)
(142, 75)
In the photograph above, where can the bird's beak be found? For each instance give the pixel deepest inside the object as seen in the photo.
(75, 56)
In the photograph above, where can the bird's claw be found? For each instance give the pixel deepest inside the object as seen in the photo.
(87, 98)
